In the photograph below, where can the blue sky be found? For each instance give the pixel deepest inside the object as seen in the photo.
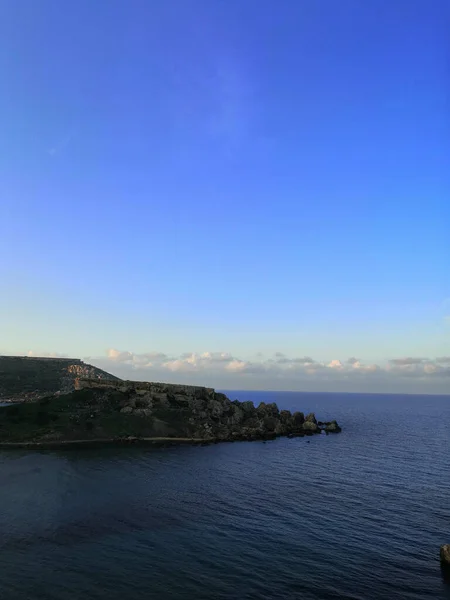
(245, 177)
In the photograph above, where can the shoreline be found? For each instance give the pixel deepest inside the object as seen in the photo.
(99, 442)
(157, 442)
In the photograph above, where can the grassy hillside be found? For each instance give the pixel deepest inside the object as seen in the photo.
(110, 410)
(23, 377)
(84, 414)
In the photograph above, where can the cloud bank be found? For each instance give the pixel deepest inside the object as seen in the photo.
(33, 353)
(280, 372)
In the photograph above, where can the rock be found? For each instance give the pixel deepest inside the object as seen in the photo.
(445, 555)
(285, 416)
(298, 418)
(332, 427)
(126, 410)
(142, 412)
(280, 428)
(143, 402)
(311, 418)
(310, 426)
(216, 408)
(236, 416)
(248, 407)
(270, 423)
(272, 409)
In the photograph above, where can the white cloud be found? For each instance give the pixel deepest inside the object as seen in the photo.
(237, 366)
(221, 363)
(178, 365)
(46, 354)
(335, 364)
(226, 371)
(147, 359)
(114, 354)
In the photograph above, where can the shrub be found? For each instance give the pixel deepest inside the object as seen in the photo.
(42, 417)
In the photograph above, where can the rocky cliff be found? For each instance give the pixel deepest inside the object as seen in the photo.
(126, 410)
(30, 378)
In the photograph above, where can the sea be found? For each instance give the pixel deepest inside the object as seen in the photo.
(358, 515)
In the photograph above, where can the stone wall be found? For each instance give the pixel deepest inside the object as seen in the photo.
(30, 378)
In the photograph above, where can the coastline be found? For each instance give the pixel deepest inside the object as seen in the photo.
(99, 442)
(157, 442)
(117, 413)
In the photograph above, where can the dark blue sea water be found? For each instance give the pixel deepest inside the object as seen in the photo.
(359, 515)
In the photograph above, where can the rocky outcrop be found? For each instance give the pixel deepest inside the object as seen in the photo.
(24, 378)
(445, 556)
(329, 426)
(332, 427)
(101, 409)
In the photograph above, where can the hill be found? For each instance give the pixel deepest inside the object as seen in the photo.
(30, 378)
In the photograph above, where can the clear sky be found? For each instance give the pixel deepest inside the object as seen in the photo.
(246, 177)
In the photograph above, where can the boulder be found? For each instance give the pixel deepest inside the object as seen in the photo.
(248, 407)
(143, 402)
(445, 555)
(216, 408)
(272, 409)
(332, 427)
(298, 418)
(130, 402)
(310, 426)
(142, 412)
(236, 416)
(280, 428)
(126, 410)
(285, 417)
(311, 418)
(160, 398)
(270, 423)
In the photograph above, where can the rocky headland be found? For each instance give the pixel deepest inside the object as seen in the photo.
(101, 411)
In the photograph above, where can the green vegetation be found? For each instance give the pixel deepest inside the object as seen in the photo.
(84, 414)
(109, 412)
(23, 377)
